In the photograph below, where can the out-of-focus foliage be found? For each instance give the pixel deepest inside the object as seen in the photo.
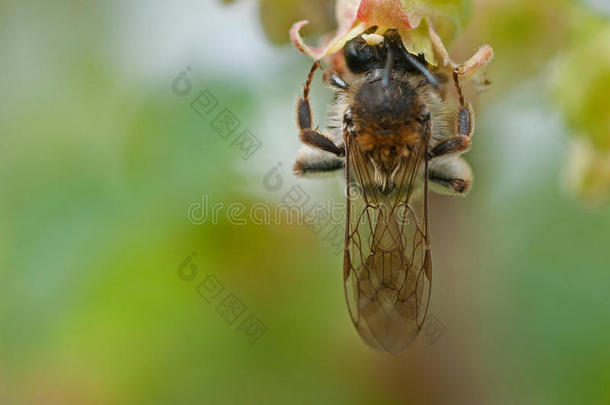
(277, 16)
(525, 35)
(448, 17)
(99, 162)
(582, 81)
(581, 90)
(587, 174)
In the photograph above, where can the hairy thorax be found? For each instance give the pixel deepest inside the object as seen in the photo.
(387, 121)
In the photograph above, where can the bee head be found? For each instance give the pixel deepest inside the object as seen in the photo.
(360, 57)
(387, 116)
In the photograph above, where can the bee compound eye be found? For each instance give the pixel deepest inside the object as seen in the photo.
(361, 57)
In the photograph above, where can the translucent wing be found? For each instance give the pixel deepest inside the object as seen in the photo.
(387, 264)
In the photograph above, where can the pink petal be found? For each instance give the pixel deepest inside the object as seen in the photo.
(297, 41)
(386, 13)
(478, 61)
(333, 45)
(346, 12)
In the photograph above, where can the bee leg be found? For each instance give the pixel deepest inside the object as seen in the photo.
(314, 161)
(458, 144)
(464, 127)
(320, 141)
(450, 175)
(308, 135)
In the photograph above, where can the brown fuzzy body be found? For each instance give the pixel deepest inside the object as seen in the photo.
(389, 120)
(387, 107)
(393, 133)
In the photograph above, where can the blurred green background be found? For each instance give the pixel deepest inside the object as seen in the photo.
(101, 160)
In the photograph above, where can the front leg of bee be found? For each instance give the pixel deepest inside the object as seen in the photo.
(464, 128)
(461, 142)
(469, 69)
(309, 136)
(313, 137)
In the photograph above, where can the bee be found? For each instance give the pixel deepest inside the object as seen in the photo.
(394, 133)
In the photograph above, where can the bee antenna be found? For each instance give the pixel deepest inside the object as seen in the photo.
(387, 70)
(422, 69)
(393, 37)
